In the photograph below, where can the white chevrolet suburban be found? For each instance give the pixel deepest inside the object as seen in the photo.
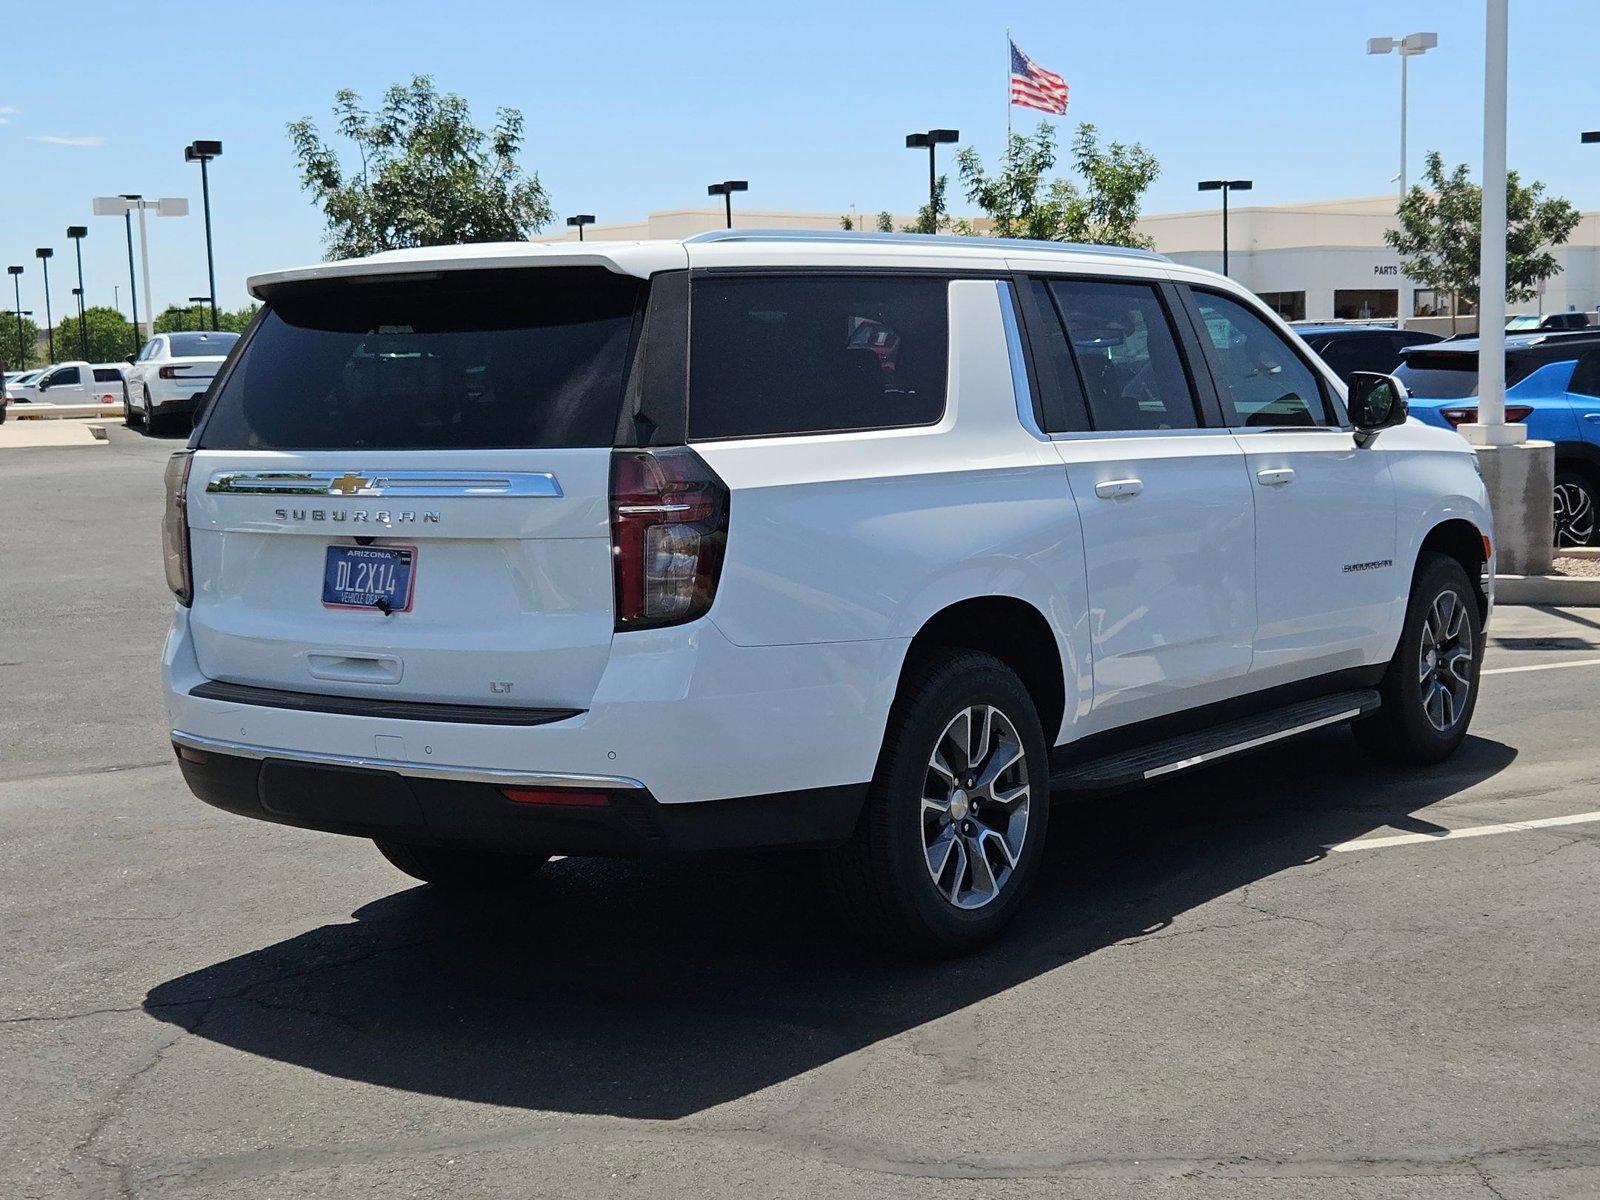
(878, 544)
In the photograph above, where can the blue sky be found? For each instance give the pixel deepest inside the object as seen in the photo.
(635, 107)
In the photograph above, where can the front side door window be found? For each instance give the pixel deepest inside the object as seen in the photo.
(1263, 381)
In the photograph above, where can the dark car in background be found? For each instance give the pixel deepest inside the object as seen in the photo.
(1529, 323)
(1348, 348)
(1552, 386)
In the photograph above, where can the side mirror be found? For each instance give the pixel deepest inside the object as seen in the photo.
(44, 385)
(1376, 402)
(129, 360)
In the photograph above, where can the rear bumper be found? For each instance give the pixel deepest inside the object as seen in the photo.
(369, 799)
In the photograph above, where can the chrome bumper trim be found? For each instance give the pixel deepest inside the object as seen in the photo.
(501, 778)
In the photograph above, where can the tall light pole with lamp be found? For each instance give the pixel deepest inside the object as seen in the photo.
(579, 221)
(203, 153)
(77, 233)
(726, 189)
(1225, 186)
(44, 254)
(1409, 47)
(167, 206)
(16, 287)
(930, 141)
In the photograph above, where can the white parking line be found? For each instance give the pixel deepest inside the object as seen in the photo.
(1587, 662)
(1412, 839)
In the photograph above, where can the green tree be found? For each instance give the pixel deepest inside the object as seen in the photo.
(428, 177)
(1441, 226)
(176, 318)
(935, 215)
(1023, 202)
(16, 353)
(884, 223)
(111, 336)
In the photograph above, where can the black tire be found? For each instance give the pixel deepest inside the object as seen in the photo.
(1403, 731)
(881, 881)
(128, 420)
(1577, 506)
(460, 870)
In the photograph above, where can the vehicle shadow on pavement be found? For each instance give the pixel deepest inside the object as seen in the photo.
(657, 990)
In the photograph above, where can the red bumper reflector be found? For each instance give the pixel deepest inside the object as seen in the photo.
(568, 799)
(1488, 549)
(188, 755)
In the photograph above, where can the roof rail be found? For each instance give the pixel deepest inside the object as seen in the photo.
(917, 239)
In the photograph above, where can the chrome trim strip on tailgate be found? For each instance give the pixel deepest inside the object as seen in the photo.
(501, 778)
(386, 483)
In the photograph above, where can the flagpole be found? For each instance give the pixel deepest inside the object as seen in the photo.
(1008, 93)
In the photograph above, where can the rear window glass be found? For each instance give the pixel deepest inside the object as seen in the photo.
(816, 354)
(200, 345)
(1452, 376)
(107, 375)
(466, 360)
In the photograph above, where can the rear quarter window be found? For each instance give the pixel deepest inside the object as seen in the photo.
(506, 359)
(816, 354)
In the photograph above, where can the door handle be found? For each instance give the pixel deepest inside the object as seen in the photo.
(1591, 416)
(1111, 489)
(1276, 477)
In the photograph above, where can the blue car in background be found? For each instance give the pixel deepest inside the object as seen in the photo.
(1552, 385)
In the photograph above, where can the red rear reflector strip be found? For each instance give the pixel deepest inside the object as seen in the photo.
(1488, 550)
(188, 755)
(568, 799)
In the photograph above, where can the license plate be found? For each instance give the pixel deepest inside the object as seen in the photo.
(377, 577)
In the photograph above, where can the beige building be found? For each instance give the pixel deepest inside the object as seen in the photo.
(1325, 259)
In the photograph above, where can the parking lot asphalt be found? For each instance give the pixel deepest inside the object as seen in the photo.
(1202, 1000)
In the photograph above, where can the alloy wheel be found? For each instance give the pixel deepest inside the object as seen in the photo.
(975, 806)
(1444, 665)
(1574, 513)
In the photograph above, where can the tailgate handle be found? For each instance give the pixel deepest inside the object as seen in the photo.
(355, 668)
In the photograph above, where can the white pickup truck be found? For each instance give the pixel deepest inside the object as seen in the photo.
(77, 383)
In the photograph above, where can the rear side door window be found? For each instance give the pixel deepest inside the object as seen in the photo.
(1586, 375)
(1262, 380)
(775, 355)
(1125, 355)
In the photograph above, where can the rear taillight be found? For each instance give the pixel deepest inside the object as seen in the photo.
(168, 372)
(669, 524)
(1469, 414)
(175, 528)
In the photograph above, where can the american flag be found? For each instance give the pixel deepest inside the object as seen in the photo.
(1034, 87)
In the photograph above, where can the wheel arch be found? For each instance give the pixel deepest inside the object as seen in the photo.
(1015, 632)
(1460, 539)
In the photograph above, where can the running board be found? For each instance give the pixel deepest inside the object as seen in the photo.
(1150, 762)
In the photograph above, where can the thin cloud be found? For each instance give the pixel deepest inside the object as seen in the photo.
(58, 139)
(6, 113)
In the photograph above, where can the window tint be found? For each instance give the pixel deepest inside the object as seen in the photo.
(151, 349)
(1127, 357)
(202, 345)
(468, 360)
(65, 377)
(1258, 371)
(816, 354)
(107, 375)
(1586, 375)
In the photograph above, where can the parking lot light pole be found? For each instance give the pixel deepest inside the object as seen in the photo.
(1519, 474)
(201, 300)
(167, 206)
(77, 233)
(726, 189)
(43, 254)
(1590, 138)
(16, 287)
(203, 153)
(931, 141)
(580, 221)
(1409, 46)
(1225, 186)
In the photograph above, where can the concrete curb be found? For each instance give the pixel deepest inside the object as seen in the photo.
(1565, 591)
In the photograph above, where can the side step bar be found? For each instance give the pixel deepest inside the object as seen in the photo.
(1196, 749)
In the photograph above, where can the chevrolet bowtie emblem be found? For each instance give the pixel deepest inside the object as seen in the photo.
(350, 484)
